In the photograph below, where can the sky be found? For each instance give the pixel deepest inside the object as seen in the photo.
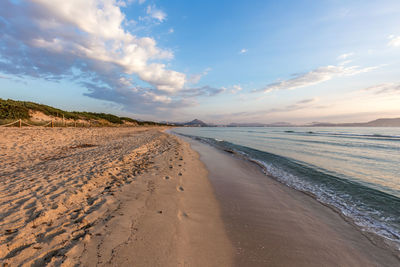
(221, 61)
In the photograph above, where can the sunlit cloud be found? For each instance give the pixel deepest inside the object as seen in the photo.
(56, 39)
(236, 88)
(316, 76)
(394, 41)
(345, 56)
(125, 3)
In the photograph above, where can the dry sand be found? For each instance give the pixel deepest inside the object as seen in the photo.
(106, 196)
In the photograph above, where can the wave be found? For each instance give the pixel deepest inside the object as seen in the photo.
(372, 210)
(368, 136)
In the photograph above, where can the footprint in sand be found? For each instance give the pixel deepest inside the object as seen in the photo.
(182, 215)
(180, 189)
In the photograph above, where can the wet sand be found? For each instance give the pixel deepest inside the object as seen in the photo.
(270, 224)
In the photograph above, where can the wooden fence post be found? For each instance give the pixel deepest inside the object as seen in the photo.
(52, 124)
(20, 123)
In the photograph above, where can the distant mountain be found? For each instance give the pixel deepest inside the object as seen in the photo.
(196, 123)
(395, 122)
(384, 122)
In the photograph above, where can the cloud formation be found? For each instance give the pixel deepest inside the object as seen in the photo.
(394, 41)
(125, 3)
(257, 114)
(345, 56)
(236, 88)
(195, 78)
(156, 13)
(243, 51)
(316, 76)
(384, 88)
(85, 41)
(201, 91)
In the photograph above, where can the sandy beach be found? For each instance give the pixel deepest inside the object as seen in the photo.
(142, 197)
(106, 196)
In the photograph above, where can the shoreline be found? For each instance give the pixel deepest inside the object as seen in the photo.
(365, 248)
(374, 238)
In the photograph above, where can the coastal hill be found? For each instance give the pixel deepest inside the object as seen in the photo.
(384, 122)
(193, 123)
(196, 123)
(11, 110)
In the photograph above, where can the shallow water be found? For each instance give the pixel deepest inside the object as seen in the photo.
(357, 170)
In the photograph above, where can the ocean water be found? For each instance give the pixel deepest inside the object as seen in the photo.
(356, 170)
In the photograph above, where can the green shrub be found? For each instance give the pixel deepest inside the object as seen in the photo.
(13, 110)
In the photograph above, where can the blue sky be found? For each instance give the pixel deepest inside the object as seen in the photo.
(219, 61)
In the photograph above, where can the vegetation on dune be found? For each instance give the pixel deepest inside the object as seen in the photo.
(10, 109)
(14, 110)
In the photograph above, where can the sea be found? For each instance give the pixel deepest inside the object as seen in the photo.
(354, 170)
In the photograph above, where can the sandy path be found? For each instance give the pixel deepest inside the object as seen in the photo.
(171, 219)
(101, 197)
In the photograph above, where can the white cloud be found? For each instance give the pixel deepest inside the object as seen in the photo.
(243, 51)
(125, 3)
(171, 30)
(90, 30)
(316, 76)
(158, 98)
(236, 88)
(195, 78)
(394, 41)
(346, 62)
(345, 56)
(156, 13)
